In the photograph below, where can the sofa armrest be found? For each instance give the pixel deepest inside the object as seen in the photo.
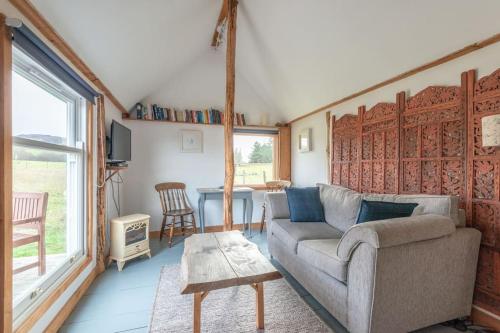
(393, 232)
(277, 205)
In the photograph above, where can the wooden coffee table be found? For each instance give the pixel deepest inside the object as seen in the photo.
(221, 260)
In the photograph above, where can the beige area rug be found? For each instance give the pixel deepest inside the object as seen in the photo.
(232, 310)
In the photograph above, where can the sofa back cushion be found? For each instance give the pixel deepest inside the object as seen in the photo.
(276, 205)
(445, 205)
(383, 210)
(304, 204)
(341, 205)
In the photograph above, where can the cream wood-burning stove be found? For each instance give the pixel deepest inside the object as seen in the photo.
(129, 238)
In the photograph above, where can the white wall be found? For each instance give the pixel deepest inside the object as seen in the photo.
(156, 155)
(203, 85)
(156, 158)
(309, 168)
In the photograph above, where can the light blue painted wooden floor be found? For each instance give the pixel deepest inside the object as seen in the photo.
(123, 301)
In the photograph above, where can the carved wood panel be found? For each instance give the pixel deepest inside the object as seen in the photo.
(483, 201)
(433, 142)
(436, 148)
(379, 155)
(345, 167)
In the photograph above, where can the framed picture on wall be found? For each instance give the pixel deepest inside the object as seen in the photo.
(305, 140)
(191, 141)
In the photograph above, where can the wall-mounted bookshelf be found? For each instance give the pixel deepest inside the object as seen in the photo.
(127, 118)
(205, 116)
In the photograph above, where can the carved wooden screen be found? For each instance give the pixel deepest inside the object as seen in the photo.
(345, 152)
(379, 153)
(483, 205)
(433, 134)
(440, 152)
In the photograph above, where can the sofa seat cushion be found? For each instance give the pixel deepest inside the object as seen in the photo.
(321, 254)
(291, 233)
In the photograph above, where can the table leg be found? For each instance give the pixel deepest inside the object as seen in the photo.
(244, 214)
(197, 313)
(259, 290)
(250, 213)
(201, 212)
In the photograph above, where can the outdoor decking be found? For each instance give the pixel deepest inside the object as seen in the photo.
(24, 281)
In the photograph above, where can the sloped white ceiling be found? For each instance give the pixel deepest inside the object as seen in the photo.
(296, 55)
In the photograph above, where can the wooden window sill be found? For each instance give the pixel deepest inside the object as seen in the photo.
(37, 313)
(257, 187)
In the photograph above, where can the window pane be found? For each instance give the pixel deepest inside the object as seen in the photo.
(253, 158)
(38, 114)
(56, 173)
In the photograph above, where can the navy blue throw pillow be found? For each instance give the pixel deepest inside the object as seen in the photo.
(304, 204)
(383, 210)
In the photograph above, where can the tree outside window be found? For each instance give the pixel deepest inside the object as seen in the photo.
(254, 159)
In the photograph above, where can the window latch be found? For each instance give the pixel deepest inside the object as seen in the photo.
(36, 292)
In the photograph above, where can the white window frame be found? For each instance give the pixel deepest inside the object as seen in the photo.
(76, 165)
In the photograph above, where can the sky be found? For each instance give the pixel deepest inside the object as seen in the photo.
(245, 143)
(41, 113)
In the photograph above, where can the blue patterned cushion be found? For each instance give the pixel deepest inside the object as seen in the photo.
(383, 210)
(304, 204)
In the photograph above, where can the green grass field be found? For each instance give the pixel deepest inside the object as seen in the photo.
(38, 176)
(253, 173)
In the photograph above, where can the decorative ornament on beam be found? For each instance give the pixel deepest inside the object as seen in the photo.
(220, 26)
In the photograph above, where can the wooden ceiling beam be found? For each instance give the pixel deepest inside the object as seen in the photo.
(39, 22)
(220, 22)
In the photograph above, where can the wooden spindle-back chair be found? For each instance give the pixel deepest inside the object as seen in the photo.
(28, 219)
(272, 186)
(175, 204)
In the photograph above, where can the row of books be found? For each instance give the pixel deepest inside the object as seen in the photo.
(208, 116)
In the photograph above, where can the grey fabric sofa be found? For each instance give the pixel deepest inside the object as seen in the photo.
(394, 275)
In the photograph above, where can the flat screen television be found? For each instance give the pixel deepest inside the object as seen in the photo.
(120, 143)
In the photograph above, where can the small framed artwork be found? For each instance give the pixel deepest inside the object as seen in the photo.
(305, 140)
(191, 141)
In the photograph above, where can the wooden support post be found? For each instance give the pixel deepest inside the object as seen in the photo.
(229, 115)
(101, 186)
(285, 153)
(259, 291)
(5, 177)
